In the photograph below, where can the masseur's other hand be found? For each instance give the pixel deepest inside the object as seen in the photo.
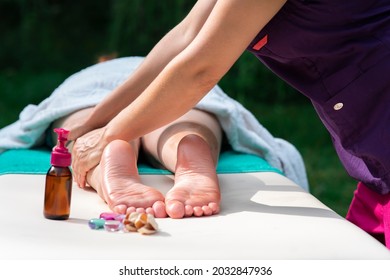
(78, 130)
(86, 153)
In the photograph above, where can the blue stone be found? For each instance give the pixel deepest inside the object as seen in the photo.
(96, 223)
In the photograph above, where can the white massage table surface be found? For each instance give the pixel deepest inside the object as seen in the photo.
(263, 216)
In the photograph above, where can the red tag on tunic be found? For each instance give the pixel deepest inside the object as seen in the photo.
(261, 43)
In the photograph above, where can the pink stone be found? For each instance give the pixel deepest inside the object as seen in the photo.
(112, 225)
(108, 216)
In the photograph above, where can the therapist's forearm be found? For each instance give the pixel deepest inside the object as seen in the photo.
(193, 72)
(157, 105)
(166, 49)
(136, 83)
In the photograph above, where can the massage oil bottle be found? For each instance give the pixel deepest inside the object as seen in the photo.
(58, 189)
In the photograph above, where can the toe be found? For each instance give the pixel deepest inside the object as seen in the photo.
(198, 212)
(130, 210)
(120, 209)
(149, 210)
(189, 210)
(207, 211)
(175, 209)
(214, 207)
(159, 209)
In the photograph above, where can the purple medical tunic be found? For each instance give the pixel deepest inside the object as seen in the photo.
(337, 53)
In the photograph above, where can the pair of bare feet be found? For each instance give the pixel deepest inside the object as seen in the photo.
(195, 191)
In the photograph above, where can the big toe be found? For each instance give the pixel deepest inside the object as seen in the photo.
(175, 209)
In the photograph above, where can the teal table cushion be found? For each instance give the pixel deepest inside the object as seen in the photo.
(37, 161)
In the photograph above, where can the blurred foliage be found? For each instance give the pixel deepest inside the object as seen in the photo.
(44, 35)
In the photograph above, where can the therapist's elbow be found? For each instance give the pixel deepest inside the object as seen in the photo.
(200, 74)
(206, 79)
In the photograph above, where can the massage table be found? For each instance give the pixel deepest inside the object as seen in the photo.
(264, 215)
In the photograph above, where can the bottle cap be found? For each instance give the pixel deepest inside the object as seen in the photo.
(60, 155)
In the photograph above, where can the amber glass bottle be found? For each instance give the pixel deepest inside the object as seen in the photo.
(58, 189)
(58, 193)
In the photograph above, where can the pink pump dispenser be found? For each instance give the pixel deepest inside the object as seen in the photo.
(58, 189)
(60, 155)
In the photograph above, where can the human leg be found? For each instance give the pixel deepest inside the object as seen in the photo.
(189, 147)
(116, 178)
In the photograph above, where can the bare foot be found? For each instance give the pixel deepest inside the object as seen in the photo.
(196, 189)
(121, 187)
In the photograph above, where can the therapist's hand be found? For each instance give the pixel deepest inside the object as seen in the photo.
(77, 130)
(86, 153)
